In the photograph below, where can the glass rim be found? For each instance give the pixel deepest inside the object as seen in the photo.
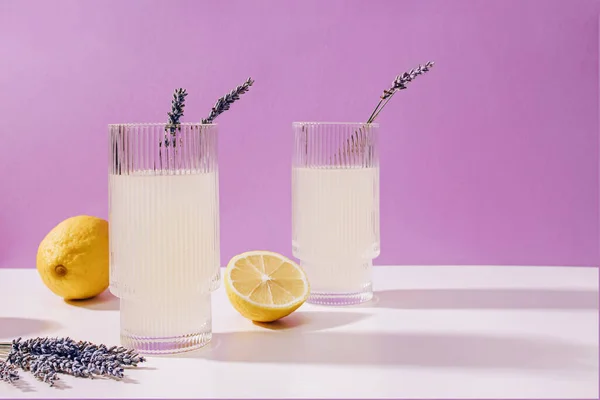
(161, 124)
(300, 123)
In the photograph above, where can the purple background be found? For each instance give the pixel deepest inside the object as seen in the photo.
(491, 158)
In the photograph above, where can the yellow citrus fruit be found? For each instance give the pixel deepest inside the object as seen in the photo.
(264, 286)
(73, 258)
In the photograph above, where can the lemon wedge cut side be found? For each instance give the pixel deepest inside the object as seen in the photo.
(265, 286)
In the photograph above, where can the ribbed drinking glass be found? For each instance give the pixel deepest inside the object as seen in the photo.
(335, 209)
(164, 233)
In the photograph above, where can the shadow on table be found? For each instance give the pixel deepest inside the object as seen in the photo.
(310, 321)
(12, 328)
(20, 385)
(105, 301)
(401, 349)
(557, 299)
(300, 322)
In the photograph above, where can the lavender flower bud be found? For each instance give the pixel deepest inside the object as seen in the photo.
(8, 372)
(43, 369)
(35, 364)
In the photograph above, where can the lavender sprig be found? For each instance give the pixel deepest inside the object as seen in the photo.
(177, 106)
(38, 346)
(8, 372)
(92, 353)
(399, 84)
(57, 364)
(226, 101)
(402, 80)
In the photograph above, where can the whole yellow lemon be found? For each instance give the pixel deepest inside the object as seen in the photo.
(73, 258)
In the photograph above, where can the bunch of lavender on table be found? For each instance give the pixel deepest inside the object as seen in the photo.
(45, 358)
(226, 101)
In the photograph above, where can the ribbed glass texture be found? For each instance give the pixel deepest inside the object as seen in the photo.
(335, 208)
(164, 233)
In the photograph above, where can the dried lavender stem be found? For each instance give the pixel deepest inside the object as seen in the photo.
(225, 102)
(376, 112)
(177, 106)
(371, 117)
(399, 84)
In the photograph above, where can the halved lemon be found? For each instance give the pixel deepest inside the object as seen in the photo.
(265, 286)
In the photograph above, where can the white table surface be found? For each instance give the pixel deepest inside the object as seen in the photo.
(431, 332)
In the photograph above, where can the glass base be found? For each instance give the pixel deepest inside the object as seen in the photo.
(166, 326)
(166, 345)
(339, 282)
(341, 299)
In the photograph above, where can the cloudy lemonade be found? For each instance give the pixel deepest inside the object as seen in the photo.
(165, 239)
(336, 226)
